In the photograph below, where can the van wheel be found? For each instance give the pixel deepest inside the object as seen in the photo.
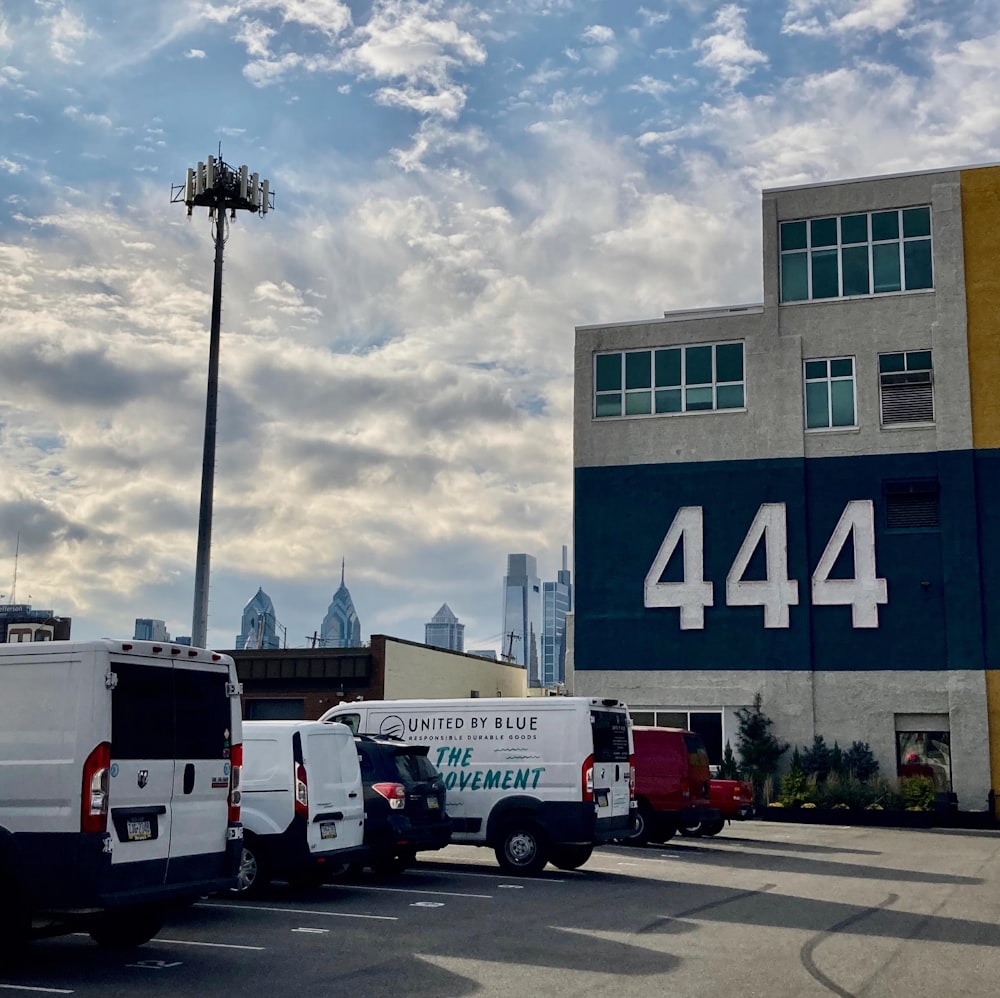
(570, 857)
(713, 827)
(252, 877)
(126, 928)
(663, 829)
(694, 831)
(642, 829)
(522, 849)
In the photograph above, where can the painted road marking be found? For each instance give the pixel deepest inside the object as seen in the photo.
(299, 911)
(191, 942)
(317, 932)
(25, 987)
(409, 890)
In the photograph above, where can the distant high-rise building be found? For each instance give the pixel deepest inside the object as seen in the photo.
(148, 629)
(522, 615)
(557, 602)
(259, 623)
(444, 630)
(341, 627)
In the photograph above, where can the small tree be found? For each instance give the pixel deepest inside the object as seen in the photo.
(795, 789)
(836, 761)
(859, 761)
(816, 759)
(760, 751)
(729, 769)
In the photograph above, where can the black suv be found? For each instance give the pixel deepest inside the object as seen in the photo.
(404, 802)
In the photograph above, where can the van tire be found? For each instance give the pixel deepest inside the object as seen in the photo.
(713, 827)
(253, 876)
(522, 850)
(570, 857)
(664, 828)
(693, 831)
(642, 829)
(126, 928)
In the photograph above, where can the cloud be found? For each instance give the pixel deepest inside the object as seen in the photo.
(194, 54)
(824, 17)
(726, 50)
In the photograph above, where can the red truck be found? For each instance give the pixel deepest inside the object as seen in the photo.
(671, 784)
(732, 798)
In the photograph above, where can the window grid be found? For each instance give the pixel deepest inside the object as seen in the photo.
(830, 393)
(860, 255)
(670, 380)
(906, 387)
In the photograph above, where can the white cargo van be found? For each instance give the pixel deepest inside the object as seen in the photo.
(303, 802)
(119, 785)
(537, 779)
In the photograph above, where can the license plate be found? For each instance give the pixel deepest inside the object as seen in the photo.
(602, 798)
(432, 804)
(327, 830)
(138, 829)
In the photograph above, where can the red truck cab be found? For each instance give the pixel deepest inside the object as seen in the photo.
(734, 801)
(671, 783)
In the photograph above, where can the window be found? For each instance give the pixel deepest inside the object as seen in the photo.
(706, 723)
(847, 256)
(829, 393)
(925, 753)
(669, 380)
(912, 505)
(906, 387)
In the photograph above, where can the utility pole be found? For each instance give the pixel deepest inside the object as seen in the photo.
(511, 638)
(220, 188)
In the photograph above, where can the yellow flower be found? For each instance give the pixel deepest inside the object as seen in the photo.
(809, 803)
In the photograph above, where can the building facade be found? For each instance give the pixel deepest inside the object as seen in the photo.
(259, 624)
(150, 629)
(557, 602)
(341, 626)
(795, 497)
(522, 615)
(444, 630)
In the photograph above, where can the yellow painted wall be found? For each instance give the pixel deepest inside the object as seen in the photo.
(415, 671)
(981, 245)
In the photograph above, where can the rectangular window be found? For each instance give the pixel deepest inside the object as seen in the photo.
(925, 753)
(853, 255)
(912, 504)
(906, 387)
(669, 380)
(829, 393)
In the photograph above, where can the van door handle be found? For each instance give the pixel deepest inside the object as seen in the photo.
(189, 778)
(352, 794)
(618, 774)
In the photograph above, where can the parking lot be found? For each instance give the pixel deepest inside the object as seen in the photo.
(762, 909)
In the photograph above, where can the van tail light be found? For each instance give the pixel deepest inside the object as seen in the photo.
(96, 784)
(685, 787)
(587, 779)
(301, 791)
(235, 793)
(631, 777)
(394, 793)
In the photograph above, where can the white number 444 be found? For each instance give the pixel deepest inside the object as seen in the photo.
(775, 592)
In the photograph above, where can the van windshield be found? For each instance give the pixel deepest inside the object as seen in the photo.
(610, 729)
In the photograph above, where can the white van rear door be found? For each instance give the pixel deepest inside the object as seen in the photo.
(203, 739)
(142, 764)
(336, 799)
(612, 761)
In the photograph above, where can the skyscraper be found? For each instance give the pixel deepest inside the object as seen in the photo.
(444, 630)
(148, 629)
(557, 601)
(522, 615)
(258, 629)
(341, 627)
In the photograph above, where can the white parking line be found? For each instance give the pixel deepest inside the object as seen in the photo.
(189, 942)
(297, 911)
(483, 876)
(408, 890)
(24, 987)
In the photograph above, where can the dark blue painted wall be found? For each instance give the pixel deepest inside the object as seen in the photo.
(937, 585)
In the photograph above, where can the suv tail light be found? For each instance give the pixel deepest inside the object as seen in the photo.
(301, 790)
(235, 794)
(587, 779)
(685, 787)
(94, 800)
(394, 793)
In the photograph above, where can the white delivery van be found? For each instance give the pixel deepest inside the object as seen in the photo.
(303, 802)
(537, 779)
(119, 785)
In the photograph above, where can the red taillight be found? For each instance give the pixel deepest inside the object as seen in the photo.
(631, 776)
(587, 778)
(235, 771)
(685, 787)
(94, 800)
(394, 793)
(301, 790)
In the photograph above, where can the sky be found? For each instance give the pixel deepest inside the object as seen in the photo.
(457, 186)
